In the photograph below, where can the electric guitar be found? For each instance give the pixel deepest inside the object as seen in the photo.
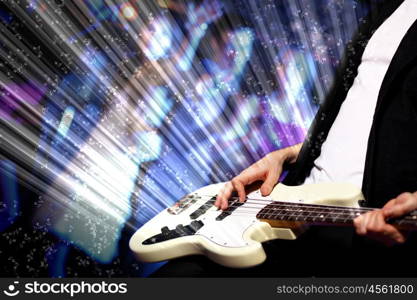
(233, 237)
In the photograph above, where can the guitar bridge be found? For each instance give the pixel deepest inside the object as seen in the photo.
(183, 204)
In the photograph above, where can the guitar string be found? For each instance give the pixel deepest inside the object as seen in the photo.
(235, 204)
(318, 209)
(320, 217)
(251, 211)
(338, 212)
(271, 201)
(295, 209)
(295, 212)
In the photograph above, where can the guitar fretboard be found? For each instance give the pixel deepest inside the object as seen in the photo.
(324, 215)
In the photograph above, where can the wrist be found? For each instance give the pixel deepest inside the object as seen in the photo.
(292, 153)
(285, 155)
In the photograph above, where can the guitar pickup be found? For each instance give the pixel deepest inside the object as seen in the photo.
(232, 207)
(202, 209)
(179, 231)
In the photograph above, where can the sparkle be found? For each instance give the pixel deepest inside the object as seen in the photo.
(128, 11)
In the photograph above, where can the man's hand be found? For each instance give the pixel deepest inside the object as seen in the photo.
(373, 223)
(268, 169)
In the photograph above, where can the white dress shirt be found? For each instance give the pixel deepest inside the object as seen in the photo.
(342, 157)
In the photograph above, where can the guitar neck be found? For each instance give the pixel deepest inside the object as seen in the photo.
(291, 215)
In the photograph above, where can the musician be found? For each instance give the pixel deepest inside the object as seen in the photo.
(364, 134)
(376, 111)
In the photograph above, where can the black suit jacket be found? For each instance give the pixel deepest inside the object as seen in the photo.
(391, 159)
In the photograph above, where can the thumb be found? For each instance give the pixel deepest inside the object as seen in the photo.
(270, 181)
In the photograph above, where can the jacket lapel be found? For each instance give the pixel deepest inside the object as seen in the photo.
(404, 57)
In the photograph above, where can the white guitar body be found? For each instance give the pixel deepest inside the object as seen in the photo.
(236, 240)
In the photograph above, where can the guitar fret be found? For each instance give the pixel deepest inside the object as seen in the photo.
(321, 214)
(309, 213)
